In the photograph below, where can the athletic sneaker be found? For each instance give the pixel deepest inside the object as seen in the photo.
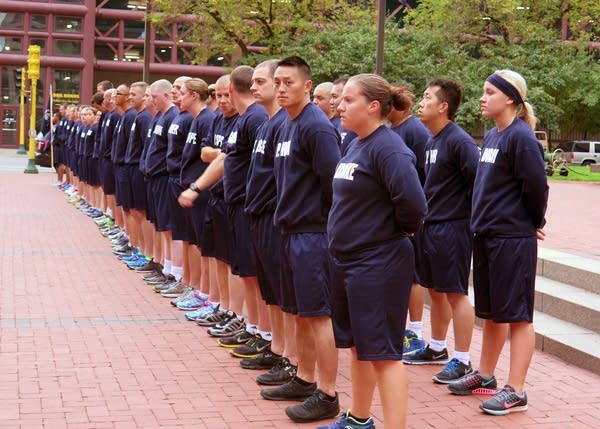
(453, 371)
(316, 407)
(426, 356)
(281, 373)
(252, 348)
(293, 390)
(188, 294)
(348, 422)
(217, 317)
(236, 340)
(203, 311)
(411, 342)
(266, 360)
(504, 402)
(232, 327)
(194, 303)
(148, 267)
(165, 285)
(474, 383)
(156, 279)
(174, 291)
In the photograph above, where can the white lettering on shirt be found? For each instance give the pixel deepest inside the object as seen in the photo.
(259, 146)
(431, 156)
(489, 155)
(158, 129)
(173, 129)
(191, 138)
(345, 170)
(283, 148)
(219, 140)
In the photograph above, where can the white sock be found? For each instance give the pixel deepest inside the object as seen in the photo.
(177, 272)
(437, 345)
(265, 335)
(167, 267)
(416, 327)
(251, 329)
(464, 357)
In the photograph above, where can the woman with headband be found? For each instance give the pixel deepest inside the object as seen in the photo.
(509, 203)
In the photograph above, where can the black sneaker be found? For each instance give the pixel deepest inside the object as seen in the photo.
(504, 402)
(252, 348)
(453, 371)
(265, 360)
(282, 372)
(215, 318)
(474, 383)
(316, 407)
(236, 340)
(290, 391)
(426, 356)
(150, 267)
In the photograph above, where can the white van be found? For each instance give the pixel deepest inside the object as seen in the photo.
(542, 139)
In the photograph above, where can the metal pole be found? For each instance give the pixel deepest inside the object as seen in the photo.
(31, 168)
(147, 30)
(21, 150)
(380, 37)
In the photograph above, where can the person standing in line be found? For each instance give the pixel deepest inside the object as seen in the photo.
(415, 136)
(451, 159)
(306, 153)
(510, 198)
(376, 186)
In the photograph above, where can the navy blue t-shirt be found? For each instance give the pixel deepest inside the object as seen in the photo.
(510, 194)
(415, 135)
(346, 137)
(451, 159)
(121, 136)
(156, 157)
(60, 131)
(238, 148)
(177, 134)
(107, 132)
(377, 195)
(307, 151)
(147, 140)
(77, 141)
(192, 165)
(137, 137)
(261, 191)
(87, 137)
(219, 134)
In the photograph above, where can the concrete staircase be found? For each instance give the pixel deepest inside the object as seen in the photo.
(567, 308)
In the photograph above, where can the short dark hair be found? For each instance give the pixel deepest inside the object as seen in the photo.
(450, 91)
(241, 78)
(105, 84)
(297, 62)
(97, 98)
(341, 80)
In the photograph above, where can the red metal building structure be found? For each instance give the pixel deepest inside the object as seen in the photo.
(82, 43)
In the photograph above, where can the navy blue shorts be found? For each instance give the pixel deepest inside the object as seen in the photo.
(80, 168)
(504, 278)
(216, 240)
(57, 157)
(159, 186)
(179, 221)
(196, 215)
(243, 262)
(93, 174)
(446, 256)
(416, 241)
(107, 173)
(370, 294)
(150, 210)
(305, 271)
(122, 189)
(266, 238)
(137, 184)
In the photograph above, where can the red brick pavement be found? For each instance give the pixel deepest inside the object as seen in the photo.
(84, 343)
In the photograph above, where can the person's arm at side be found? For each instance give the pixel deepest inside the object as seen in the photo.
(211, 175)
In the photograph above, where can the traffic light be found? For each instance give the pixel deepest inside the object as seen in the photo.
(18, 78)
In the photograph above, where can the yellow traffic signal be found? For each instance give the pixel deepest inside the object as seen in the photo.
(33, 62)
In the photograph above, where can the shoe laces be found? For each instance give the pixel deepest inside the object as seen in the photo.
(507, 395)
(452, 365)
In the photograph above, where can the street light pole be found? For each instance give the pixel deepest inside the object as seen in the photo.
(380, 37)
(146, 71)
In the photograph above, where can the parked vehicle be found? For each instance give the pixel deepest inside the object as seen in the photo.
(543, 140)
(582, 152)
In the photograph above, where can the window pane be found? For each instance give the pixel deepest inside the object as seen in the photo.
(10, 45)
(68, 47)
(581, 147)
(11, 20)
(38, 22)
(11, 79)
(68, 24)
(66, 86)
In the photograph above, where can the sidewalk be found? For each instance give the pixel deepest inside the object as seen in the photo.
(84, 343)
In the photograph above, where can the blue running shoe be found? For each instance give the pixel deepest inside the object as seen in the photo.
(191, 304)
(205, 310)
(411, 342)
(134, 256)
(347, 422)
(138, 263)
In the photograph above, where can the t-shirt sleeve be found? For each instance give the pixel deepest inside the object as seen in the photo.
(529, 170)
(325, 150)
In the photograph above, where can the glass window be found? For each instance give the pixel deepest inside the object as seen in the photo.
(68, 24)
(10, 45)
(68, 47)
(38, 22)
(66, 86)
(103, 52)
(163, 53)
(11, 21)
(597, 147)
(11, 79)
(581, 147)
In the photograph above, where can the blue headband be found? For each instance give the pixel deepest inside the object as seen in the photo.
(506, 87)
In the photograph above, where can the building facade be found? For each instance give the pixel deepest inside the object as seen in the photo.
(83, 42)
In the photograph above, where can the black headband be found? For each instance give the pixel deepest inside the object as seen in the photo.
(506, 87)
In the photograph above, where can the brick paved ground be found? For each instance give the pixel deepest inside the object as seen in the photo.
(84, 343)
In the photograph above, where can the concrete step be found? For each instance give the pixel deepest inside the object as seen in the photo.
(569, 303)
(566, 268)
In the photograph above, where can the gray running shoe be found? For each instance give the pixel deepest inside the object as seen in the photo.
(232, 327)
(426, 356)
(174, 291)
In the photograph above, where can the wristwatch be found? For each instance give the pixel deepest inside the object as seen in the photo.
(194, 187)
